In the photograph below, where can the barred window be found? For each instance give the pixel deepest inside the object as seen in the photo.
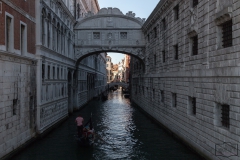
(195, 45)
(164, 26)
(176, 12)
(192, 106)
(174, 100)
(225, 116)
(227, 34)
(96, 35)
(162, 96)
(163, 56)
(123, 35)
(155, 32)
(176, 52)
(194, 3)
(155, 59)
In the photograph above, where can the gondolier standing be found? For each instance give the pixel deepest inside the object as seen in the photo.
(79, 120)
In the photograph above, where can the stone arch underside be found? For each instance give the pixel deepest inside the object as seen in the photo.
(109, 31)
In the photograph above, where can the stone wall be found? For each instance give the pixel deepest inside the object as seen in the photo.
(17, 101)
(170, 85)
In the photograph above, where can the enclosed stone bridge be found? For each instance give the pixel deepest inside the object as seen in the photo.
(124, 85)
(109, 31)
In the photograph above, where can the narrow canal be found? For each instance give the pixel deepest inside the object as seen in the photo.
(125, 134)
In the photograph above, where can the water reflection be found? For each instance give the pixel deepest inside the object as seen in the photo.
(123, 132)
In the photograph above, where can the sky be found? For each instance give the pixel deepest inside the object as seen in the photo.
(142, 9)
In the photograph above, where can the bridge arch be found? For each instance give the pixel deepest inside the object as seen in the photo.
(109, 31)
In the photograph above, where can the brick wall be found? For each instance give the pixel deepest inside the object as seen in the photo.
(27, 9)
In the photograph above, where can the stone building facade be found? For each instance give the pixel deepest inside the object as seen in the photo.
(191, 82)
(41, 81)
(17, 74)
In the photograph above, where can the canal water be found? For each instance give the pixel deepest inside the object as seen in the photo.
(123, 133)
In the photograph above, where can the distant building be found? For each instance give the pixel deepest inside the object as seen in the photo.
(127, 68)
(109, 66)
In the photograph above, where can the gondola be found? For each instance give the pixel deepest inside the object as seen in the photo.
(88, 135)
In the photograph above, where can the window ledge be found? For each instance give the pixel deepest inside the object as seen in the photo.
(223, 15)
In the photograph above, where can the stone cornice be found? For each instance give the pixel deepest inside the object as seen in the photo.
(159, 9)
(17, 57)
(223, 16)
(107, 15)
(18, 9)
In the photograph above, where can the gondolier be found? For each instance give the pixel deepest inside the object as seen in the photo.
(79, 120)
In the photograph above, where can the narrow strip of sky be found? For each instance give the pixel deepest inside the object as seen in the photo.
(141, 8)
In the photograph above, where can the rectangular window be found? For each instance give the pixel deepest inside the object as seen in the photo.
(8, 32)
(96, 35)
(148, 37)
(15, 101)
(195, 45)
(162, 96)
(57, 73)
(221, 115)
(123, 35)
(227, 34)
(23, 39)
(0, 7)
(143, 89)
(153, 94)
(194, 3)
(43, 71)
(53, 73)
(163, 56)
(225, 116)
(192, 106)
(176, 52)
(48, 72)
(174, 100)
(155, 32)
(164, 26)
(155, 59)
(176, 12)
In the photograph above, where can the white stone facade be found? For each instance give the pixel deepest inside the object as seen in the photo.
(187, 89)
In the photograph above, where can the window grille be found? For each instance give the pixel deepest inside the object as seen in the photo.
(155, 32)
(96, 35)
(225, 116)
(195, 45)
(194, 105)
(164, 26)
(162, 96)
(176, 52)
(174, 100)
(123, 35)
(155, 59)
(176, 12)
(227, 34)
(163, 56)
(15, 101)
(194, 3)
